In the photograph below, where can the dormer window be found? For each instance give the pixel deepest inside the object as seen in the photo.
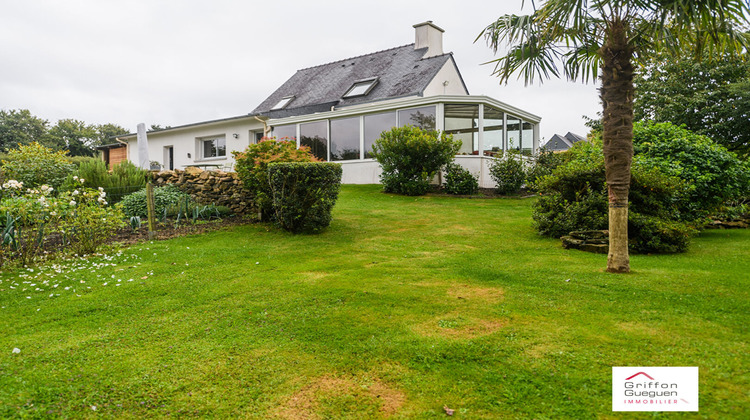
(361, 87)
(282, 103)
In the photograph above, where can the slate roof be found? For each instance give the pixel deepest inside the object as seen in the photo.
(559, 143)
(401, 71)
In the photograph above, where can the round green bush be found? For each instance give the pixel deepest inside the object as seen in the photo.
(165, 198)
(460, 181)
(411, 157)
(508, 172)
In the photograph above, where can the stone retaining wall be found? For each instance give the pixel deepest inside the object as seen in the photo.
(209, 187)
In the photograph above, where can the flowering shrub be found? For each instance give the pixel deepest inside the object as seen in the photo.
(36, 222)
(35, 165)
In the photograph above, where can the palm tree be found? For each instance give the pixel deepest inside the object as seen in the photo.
(614, 35)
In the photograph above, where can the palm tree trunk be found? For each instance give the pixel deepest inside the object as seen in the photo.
(617, 134)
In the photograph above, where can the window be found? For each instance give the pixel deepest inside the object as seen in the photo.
(345, 139)
(285, 132)
(493, 130)
(514, 133)
(282, 103)
(462, 121)
(527, 138)
(315, 136)
(423, 117)
(376, 124)
(213, 147)
(361, 88)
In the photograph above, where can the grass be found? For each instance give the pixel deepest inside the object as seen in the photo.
(403, 306)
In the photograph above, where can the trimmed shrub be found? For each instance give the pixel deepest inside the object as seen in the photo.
(460, 181)
(165, 198)
(252, 168)
(303, 194)
(410, 157)
(36, 165)
(508, 172)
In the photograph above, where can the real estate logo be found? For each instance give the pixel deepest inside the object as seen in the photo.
(654, 388)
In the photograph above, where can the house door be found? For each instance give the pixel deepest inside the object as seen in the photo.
(169, 158)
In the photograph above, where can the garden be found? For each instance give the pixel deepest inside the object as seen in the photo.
(403, 306)
(365, 304)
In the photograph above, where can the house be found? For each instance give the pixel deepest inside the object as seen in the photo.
(339, 109)
(560, 143)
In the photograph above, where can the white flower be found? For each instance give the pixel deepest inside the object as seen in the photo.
(16, 350)
(76, 192)
(101, 189)
(72, 202)
(82, 180)
(75, 177)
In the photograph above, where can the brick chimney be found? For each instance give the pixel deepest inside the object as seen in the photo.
(430, 36)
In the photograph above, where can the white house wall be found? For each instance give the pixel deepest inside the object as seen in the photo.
(360, 172)
(448, 73)
(185, 141)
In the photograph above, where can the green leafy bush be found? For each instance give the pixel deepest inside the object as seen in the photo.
(508, 172)
(92, 223)
(36, 165)
(410, 157)
(460, 181)
(574, 197)
(714, 174)
(165, 198)
(303, 194)
(542, 164)
(252, 167)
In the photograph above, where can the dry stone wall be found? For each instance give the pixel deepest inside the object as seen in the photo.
(209, 187)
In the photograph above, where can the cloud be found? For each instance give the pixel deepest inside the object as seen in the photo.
(173, 63)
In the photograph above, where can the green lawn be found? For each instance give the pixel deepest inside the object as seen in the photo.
(403, 306)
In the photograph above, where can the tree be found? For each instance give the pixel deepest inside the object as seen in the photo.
(19, 127)
(711, 97)
(75, 136)
(106, 131)
(614, 35)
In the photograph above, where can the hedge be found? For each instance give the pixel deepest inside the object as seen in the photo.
(303, 194)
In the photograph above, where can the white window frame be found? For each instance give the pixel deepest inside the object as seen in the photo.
(283, 103)
(201, 149)
(368, 84)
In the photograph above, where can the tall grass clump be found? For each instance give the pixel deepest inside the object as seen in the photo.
(125, 178)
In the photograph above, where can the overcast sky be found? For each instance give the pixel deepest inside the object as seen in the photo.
(179, 62)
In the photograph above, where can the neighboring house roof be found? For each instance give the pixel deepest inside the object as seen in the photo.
(399, 71)
(560, 143)
(574, 138)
